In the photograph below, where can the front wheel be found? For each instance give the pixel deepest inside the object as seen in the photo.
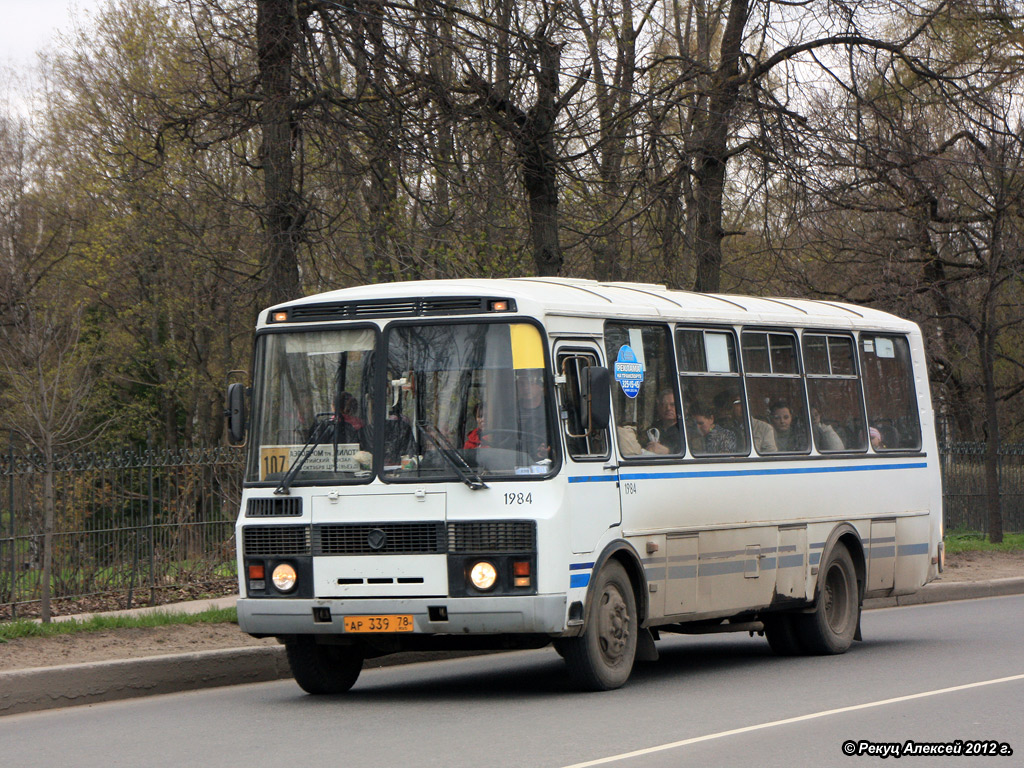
(323, 669)
(602, 657)
(832, 625)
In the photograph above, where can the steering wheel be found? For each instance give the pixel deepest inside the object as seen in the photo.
(511, 438)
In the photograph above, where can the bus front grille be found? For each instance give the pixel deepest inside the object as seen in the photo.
(495, 536)
(379, 539)
(290, 506)
(426, 538)
(275, 540)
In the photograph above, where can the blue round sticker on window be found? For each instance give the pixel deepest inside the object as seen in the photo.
(629, 371)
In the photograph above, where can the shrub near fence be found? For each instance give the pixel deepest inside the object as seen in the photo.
(130, 527)
(139, 528)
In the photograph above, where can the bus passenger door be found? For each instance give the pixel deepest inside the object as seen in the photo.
(592, 494)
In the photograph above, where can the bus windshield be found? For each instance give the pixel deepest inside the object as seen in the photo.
(457, 402)
(312, 403)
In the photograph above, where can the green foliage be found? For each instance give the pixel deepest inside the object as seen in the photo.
(12, 630)
(974, 541)
(138, 197)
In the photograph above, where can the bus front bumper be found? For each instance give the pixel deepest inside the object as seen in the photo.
(533, 614)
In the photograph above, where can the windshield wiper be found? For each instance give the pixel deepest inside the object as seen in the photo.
(451, 455)
(320, 432)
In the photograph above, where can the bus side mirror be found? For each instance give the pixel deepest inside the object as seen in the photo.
(597, 398)
(235, 413)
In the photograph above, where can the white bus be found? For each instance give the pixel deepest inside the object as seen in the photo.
(511, 463)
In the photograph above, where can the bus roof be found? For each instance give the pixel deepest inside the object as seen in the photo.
(572, 297)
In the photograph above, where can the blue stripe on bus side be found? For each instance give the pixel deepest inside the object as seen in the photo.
(579, 579)
(711, 565)
(769, 471)
(791, 561)
(914, 549)
(714, 567)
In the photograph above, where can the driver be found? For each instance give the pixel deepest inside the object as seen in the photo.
(531, 416)
(478, 437)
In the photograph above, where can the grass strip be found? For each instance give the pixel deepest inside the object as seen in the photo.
(12, 630)
(975, 541)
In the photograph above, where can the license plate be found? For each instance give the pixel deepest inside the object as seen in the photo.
(400, 622)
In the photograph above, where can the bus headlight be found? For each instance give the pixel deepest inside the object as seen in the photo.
(284, 577)
(483, 575)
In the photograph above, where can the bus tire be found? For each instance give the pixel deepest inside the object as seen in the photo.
(601, 659)
(830, 628)
(323, 669)
(780, 631)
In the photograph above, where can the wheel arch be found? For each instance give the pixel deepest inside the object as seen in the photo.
(627, 557)
(846, 535)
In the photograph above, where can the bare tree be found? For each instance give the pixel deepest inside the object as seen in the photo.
(277, 36)
(918, 205)
(48, 378)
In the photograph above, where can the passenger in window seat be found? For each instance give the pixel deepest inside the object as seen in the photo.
(716, 439)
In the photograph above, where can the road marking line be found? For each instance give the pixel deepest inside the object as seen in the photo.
(787, 721)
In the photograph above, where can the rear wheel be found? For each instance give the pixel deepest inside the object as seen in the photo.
(602, 657)
(323, 669)
(832, 625)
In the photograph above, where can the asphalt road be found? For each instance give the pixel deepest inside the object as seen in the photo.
(931, 673)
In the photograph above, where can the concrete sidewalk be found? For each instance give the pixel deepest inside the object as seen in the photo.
(30, 690)
(192, 606)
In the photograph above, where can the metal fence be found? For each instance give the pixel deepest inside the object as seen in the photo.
(130, 528)
(963, 486)
(154, 526)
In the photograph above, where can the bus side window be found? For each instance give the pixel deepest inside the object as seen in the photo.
(837, 408)
(889, 391)
(645, 401)
(716, 423)
(775, 390)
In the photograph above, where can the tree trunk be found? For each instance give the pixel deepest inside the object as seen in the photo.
(672, 218)
(993, 503)
(537, 152)
(712, 153)
(48, 522)
(707, 235)
(542, 191)
(277, 32)
(987, 337)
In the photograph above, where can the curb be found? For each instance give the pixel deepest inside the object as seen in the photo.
(33, 690)
(954, 590)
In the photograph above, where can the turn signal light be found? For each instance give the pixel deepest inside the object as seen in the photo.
(521, 573)
(256, 571)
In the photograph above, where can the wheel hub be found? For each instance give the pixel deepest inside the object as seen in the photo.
(835, 599)
(613, 622)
